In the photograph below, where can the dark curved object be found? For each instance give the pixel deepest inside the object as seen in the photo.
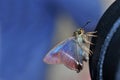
(105, 62)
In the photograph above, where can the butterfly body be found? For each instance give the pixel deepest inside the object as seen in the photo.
(72, 51)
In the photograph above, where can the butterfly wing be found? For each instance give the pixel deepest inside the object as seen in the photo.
(53, 56)
(65, 53)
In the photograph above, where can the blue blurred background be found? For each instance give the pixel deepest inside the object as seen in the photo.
(28, 28)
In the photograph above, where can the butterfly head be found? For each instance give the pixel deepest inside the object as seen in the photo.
(78, 32)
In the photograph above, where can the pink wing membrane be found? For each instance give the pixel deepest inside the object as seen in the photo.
(53, 56)
(64, 53)
(68, 61)
(52, 59)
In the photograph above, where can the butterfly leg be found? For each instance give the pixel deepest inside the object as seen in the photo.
(87, 50)
(85, 39)
(91, 34)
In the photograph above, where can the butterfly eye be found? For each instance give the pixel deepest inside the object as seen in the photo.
(79, 32)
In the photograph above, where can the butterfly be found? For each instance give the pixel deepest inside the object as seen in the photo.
(72, 51)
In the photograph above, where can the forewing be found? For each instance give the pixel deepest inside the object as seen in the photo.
(65, 53)
(67, 46)
(53, 56)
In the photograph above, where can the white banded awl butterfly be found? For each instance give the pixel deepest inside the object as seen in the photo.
(72, 51)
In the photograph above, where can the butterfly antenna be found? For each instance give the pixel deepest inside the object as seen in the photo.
(86, 24)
